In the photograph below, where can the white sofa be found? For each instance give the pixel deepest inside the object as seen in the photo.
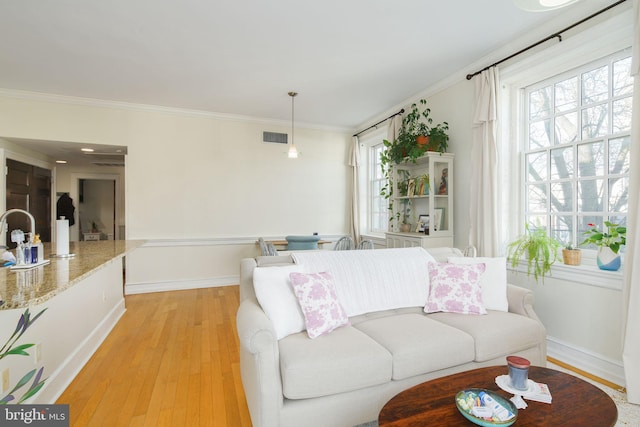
(344, 378)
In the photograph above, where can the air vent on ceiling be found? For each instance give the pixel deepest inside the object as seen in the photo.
(108, 163)
(275, 138)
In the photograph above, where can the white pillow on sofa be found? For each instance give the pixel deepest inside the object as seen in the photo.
(275, 294)
(493, 281)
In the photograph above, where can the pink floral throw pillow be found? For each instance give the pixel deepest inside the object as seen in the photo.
(455, 288)
(317, 297)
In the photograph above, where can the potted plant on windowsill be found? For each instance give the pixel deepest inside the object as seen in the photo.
(571, 255)
(609, 243)
(538, 248)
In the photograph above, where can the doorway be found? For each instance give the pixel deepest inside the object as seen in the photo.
(97, 211)
(98, 206)
(28, 187)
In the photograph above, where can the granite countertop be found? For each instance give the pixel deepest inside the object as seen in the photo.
(24, 288)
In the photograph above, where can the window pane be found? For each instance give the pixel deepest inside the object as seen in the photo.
(595, 85)
(622, 80)
(591, 159)
(562, 228)
(618, 194)
(620, 220)
(590, 195)
(539, 134)
(622, 115)
(540, 103)
(583, 225)
(566, 95)
(619, 156)
(595, 121)
(562, 163)
(536, 221)
(567, 128)
(537, 198)
(537, 167)
(561, 197)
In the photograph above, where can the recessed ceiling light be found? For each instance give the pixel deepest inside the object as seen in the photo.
(87, 150)
(61, 161)
(542, 5)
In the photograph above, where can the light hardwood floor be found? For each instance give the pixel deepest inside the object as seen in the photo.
(172, 360)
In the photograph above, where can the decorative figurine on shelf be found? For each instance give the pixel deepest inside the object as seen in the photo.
(442, 190)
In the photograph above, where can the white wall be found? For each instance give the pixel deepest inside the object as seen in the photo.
(201, 188)
(458, 114)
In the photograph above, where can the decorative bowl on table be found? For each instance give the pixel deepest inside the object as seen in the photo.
(477, 405)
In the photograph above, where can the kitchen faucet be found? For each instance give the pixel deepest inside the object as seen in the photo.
(3, 221)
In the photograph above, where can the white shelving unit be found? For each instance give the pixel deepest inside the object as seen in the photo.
(434, 200)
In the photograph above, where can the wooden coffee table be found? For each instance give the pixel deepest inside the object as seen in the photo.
(575, 401)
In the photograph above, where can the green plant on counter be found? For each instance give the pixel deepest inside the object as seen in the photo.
(10, 348)
(538, 248)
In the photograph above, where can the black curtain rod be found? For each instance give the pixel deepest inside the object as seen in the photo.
(557, 34)
(381, 121)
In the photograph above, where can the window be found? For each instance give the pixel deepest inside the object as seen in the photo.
(379, 212)
(374, 214)
(577, 128)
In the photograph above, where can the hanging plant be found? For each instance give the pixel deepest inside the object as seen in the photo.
(538, 248)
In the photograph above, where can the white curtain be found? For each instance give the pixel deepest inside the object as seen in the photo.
(631, 294)
(394, 127)
(483, 221)
(354, 162)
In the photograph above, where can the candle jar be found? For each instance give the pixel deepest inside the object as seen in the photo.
(518, 372)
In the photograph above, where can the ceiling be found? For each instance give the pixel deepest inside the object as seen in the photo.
(351, 61)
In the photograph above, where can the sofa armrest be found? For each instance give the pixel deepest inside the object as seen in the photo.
(521, 301)
(259, 364)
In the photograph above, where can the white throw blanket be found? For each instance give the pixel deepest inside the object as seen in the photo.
(373, 280)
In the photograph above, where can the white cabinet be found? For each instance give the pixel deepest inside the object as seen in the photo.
(425, 203)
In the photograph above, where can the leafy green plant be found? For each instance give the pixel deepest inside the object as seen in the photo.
(439, 137)
(538, 248)
(405, 148)
(10, 348)
(416, 122)
(615, 236)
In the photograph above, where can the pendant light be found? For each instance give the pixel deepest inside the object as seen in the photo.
(542, 5)
(293, 152)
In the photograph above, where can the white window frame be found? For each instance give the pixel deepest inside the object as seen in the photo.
(575, 179)
(600, 40)
(368, 165)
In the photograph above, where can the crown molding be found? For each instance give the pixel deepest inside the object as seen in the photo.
(149, 108)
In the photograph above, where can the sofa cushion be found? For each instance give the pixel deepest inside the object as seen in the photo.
(345, 360)
(317, 297)
(455, 288)
(419, 344)
(497, 333)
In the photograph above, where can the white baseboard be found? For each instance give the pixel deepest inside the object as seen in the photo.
(60, 379)
(180, 285)
(595, 364)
